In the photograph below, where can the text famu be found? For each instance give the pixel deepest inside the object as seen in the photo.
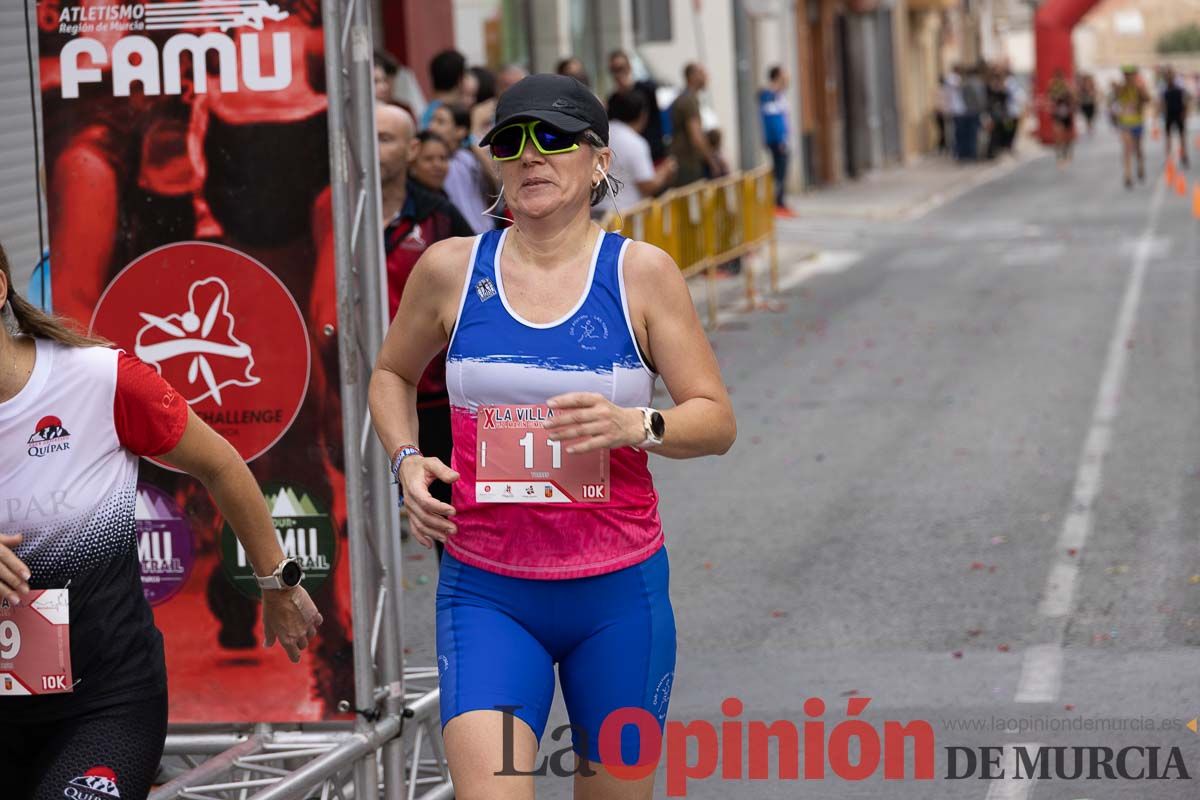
(136, 59)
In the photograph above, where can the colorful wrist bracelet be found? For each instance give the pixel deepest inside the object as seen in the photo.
(402, 453)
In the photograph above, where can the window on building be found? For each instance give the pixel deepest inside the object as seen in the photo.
(516, 27)
(585, 35)
(652, 20)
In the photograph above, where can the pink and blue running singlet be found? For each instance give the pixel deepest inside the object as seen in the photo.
(524, 586)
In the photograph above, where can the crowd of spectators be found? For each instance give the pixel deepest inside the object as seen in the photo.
(655, 147)
(978, 111)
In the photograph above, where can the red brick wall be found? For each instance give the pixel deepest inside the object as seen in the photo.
(416, 30)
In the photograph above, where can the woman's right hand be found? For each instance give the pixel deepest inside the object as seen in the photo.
(427, 516)
(14, 575)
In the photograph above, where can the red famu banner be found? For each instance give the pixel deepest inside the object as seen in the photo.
(190, 223)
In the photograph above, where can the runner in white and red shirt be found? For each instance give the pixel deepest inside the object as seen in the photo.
(75, 415)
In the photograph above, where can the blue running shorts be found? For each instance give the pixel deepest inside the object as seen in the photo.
(612, 637)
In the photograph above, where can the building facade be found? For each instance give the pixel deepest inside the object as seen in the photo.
(869, 74)
(1121, 32)
(866, 73)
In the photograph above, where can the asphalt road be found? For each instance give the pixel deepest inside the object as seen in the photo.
(966, 486)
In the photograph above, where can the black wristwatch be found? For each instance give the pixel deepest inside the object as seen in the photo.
(285, 576)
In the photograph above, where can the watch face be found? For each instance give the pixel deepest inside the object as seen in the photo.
(291, 574)
(658, 426)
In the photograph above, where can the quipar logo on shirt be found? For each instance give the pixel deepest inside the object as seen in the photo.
(305, 532)
(49, 437)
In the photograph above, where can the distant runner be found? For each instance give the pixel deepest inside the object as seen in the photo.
(1062, 109)
(1130, 103)
(1174, 110)
(1087, 101)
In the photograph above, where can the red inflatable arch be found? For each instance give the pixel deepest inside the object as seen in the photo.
(1053, 24)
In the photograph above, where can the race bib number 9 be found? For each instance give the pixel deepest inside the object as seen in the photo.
(516, 461)
(35, 644)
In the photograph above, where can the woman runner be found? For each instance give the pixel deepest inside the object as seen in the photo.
(75, 415)
(552, 318)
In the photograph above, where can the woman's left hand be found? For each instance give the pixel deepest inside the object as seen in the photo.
(593, 422)
(290, 616)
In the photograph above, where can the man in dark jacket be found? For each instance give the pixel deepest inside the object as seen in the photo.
(415, 218)
(622, 74)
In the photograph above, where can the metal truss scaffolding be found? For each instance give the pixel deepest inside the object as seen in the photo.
(393, 749)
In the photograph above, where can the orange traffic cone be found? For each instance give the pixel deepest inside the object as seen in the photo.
(1170, 173)
(1181, 185)
(1196, 202)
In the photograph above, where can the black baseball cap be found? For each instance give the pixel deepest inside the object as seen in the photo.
(557, 100)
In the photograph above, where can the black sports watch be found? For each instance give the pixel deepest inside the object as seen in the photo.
(285, 576)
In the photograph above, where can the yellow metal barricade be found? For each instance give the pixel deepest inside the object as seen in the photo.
(708, 224)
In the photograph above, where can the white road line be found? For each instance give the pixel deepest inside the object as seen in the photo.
(1010, 787)
(1041, 667)
(1040, 674)
(826, 262)
(940, 199)
(1060, 587)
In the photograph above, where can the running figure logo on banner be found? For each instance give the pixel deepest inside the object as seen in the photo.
(225, 15)
(179, 346)
(222, 330)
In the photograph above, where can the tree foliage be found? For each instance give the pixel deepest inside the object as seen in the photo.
(1180, 40)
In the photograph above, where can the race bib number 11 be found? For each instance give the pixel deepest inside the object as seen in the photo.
(35, 644)
(517, 462)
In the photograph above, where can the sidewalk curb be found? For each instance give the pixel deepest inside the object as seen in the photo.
(929, 202)
(992, 173)
(731, 292)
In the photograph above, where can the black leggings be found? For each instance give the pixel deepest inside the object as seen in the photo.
(80, 757)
